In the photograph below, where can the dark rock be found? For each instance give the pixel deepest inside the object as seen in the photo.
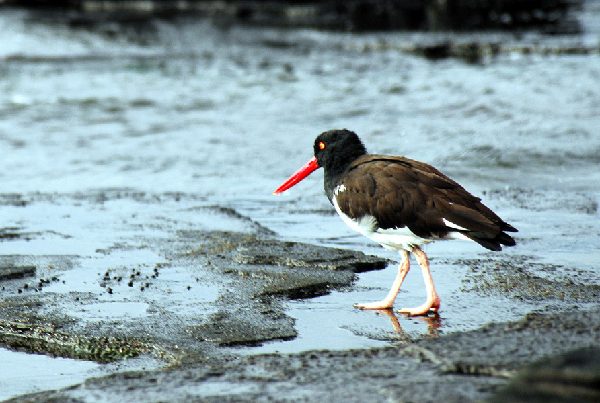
(509, 14)
(250, 250)
(553, 16)
(48, 340)
(570, 377)
(12, 233)
(12, 272)
(488, 277)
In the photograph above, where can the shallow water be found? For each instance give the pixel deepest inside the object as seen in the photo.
(29, 372)
(48, 372)
(227, 113)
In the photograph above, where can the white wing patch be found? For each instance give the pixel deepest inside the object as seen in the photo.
(452, 225)
(455, 235)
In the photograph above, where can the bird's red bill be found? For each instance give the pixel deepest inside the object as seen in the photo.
(300, 174)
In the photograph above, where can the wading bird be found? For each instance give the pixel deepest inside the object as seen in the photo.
(401, 204)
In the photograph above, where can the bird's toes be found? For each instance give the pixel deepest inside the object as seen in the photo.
(418, 311)
(374, 305)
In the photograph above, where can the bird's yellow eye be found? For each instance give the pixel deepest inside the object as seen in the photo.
(321, 145)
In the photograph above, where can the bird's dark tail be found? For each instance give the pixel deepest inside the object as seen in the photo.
(492, 241)
(478, 223)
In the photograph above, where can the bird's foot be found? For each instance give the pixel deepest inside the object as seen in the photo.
(383, 304)
(417, 311)
(432, 305)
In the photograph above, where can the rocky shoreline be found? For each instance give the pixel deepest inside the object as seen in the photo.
(248, 276)
(472, 366)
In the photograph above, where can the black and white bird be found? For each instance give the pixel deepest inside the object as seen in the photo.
(401, 204)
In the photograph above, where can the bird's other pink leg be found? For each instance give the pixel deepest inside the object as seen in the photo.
(433, 300)
(388, 301)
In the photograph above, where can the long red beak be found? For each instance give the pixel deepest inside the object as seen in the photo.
(300, 174)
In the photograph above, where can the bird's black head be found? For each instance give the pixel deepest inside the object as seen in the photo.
(336, 149)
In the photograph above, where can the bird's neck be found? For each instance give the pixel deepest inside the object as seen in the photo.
(335, 170)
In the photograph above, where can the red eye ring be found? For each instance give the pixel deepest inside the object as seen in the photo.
(321, 145)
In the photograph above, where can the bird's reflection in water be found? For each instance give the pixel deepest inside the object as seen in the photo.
(433, 322)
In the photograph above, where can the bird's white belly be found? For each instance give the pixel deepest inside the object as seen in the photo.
(398, 238)
(391, 238)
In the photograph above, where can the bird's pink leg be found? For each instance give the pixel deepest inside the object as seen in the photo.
(388, 301)
(433, 300)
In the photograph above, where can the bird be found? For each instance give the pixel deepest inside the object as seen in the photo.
(401, 204)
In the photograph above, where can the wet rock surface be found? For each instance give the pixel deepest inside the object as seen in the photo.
(49, 340)
(191, 298)
(570, 377)
(530, 280)
(262, 271)
(460, 367)
(134, 309)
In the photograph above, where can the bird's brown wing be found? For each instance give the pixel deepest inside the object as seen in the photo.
(401, 192)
